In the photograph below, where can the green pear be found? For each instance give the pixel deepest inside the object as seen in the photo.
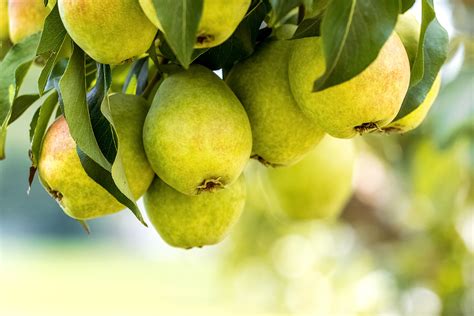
(408, 29)
(319, 186)
(219, 20)
(285, 32)
(186, 221)
(197, 135)
(109, 31)
(26, 17)
(64, 178)
(282, 134)
(4, 33)
(413, 119)
(365, 103)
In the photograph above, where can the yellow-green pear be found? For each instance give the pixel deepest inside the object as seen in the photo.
(413, 119)
(65, 179)
(186, 221)
(4, 34)
(282, 134)
(109, 31)
(26, 17)
(318, 186)
(219, 20)
(408, 29)
(365, 103)
(197, 135)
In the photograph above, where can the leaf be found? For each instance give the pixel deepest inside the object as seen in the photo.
(180, 20)
(406, 4)
(435, 51)
(308, 28)
(53, 33)
(12, 70)
(240, 45)
(280, 8)
(353, 32)
(52, 61)
(20, 105)
(73, 98)
(37, 131)
(139, 71)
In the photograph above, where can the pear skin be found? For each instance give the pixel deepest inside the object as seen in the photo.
(318, 186)
(197, 135)
(109, 31)
(26, 17)
(63, 176)
(281, 133)
(219, 20)
(4, 33)
(186, 221)
(363, 104)
(408, 29)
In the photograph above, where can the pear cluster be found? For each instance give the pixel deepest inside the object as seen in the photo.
(186, 152)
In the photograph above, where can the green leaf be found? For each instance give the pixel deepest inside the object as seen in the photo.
(53, 33)
(73, 98)
(308, 28)
(180, 20)
(138, 72)
(353, 32)
(240, 45)
(406, 4)
(41, 123)
(435, 51)
(51, 63)
(12, 70)
(280, 8)
(20, 105)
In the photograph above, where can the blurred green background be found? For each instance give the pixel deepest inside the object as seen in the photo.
(404, 244)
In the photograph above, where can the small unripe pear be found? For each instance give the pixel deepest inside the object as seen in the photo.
(318, 186)
(197, 135)
(109, 31)
(26, 17)
(194, 221)
(219, 20)
(408, 29)
(281, 133)
(365, 103)
(4, 34)
(65, 179)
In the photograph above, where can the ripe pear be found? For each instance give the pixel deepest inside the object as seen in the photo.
(367, 102)
(408, 29)
(282, 134)
(197, 135)
(319, 186)
(413, 119)
(26, 17)
(186, 221)
(4, 33)
(110, 31)
(219, 20)
(64, 178)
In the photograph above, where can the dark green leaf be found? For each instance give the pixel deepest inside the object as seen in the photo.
(139, 71)
(20, 105)
(280, 8)
(180, 20)
(73, 96)
(308, 28)
(12, 70)
(53, 33)
(406, 4)
(53, 59)
(240, 45)
(353, 33)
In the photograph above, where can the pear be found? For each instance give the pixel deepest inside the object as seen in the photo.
(219, 20)
(26, 17)
(282, 134)
(4, 33)
(186, 221)
(65, 179)
(408, 29)
(197, 135)
(109, 31)
(285, 32)
(365, 103)
(318, 186)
